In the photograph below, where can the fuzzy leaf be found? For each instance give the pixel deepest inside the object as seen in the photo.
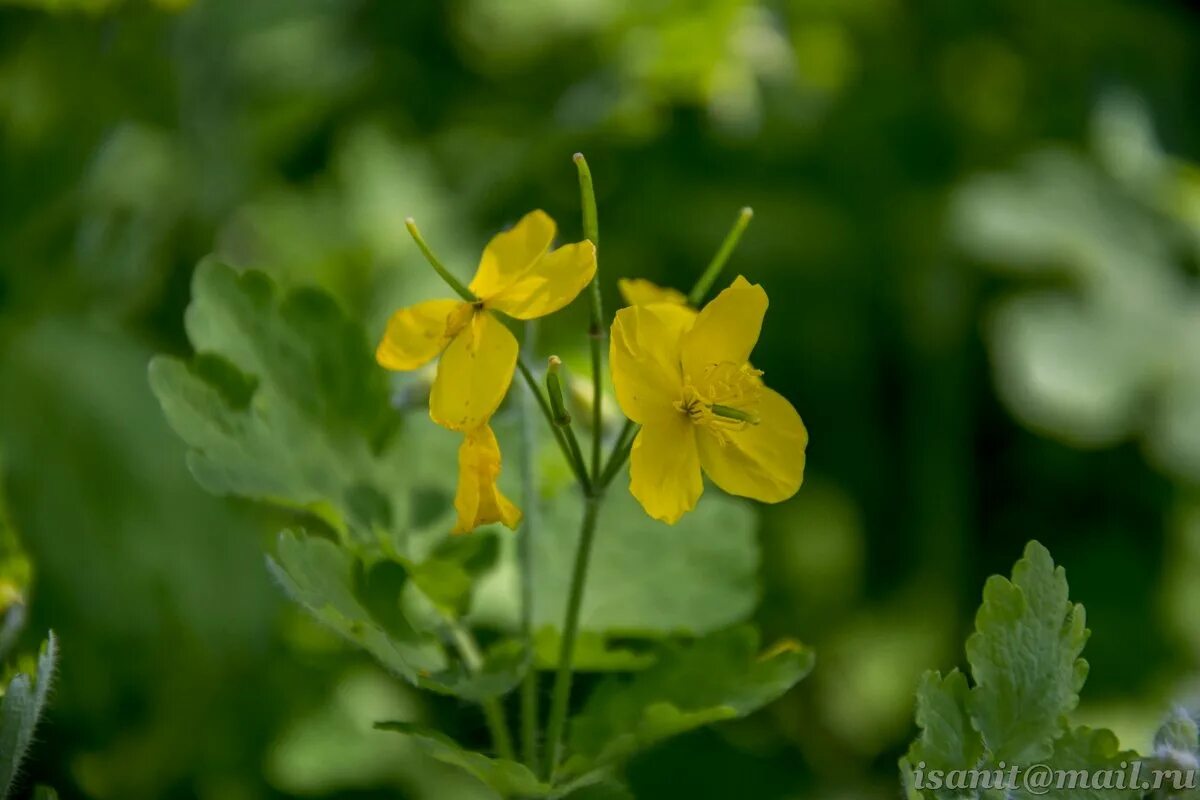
(719, 677)
(947, 740)
(1024, 658)
(283, 403)
(24, 700)
(1178, 732)
(1094, 753)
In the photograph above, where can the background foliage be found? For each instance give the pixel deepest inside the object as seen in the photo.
(977, 223)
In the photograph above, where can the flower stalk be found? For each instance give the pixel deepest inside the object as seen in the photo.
(713, 270)
(530, 500)
(561, 700)
(435, 262)
(591, 231)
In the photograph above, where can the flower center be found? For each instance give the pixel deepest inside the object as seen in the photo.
(724, 398)
(460, 318)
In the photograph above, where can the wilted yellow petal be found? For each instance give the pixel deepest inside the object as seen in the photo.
(726, 329)
(512, 252)
(478, 500)
(548, 284)
(473, 374)
(764, 461)
(415, 335)
(664, 468)
(644, 352)
(641, 292)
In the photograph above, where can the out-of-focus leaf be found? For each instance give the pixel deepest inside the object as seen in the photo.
(44, 793)
(376, 608)
(447, 576)
(1025, 660)
(24, 700)
(284, 402)
(16, 570)
(722, 676)
(603, 790)
(1080, 360)
(593, 651)
(321, 577)
(508, 778)
(336, 748)
(1178, 733)
(646, 580)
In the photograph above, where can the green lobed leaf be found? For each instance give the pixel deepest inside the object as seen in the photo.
(507, 778)
(22, 706)
(947, 741)
(375, 607)
(327, 581)
(283, 403)
(1024, 658)
(1095, 754)
(646, 580)
(722, 676)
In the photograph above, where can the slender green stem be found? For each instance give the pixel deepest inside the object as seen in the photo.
(531, 501)
(619, 454)
(561, 699)
(566, 440)
(493, 710)
(696, 296)
(591, 230)
(436, 263)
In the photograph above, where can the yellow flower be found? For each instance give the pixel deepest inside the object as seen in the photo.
(478, 500)
(686, 378)
(518, 275)
(641, 292)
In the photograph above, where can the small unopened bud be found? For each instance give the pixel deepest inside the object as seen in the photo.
(554, 389)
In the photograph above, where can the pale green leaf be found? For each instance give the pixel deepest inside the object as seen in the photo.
(646, 580)
(722, 676)
(1089, 765)
(947, 741)
(325, 579)
(283, 403)
(507, 778)
(1024, 658)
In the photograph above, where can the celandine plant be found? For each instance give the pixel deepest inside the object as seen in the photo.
(283, 403)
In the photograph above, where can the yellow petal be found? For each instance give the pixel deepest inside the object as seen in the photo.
(473, 374)
(478, 500)
(664, 468)
(416, 334)
(548, 284)
(512, 252)
(763, 461)
(641, 292)
(644, 352)
(726, 330)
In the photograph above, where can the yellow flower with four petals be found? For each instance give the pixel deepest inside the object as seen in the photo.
(521, 277)
(686, 378)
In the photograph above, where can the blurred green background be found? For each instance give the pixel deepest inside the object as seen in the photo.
(977, 224)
